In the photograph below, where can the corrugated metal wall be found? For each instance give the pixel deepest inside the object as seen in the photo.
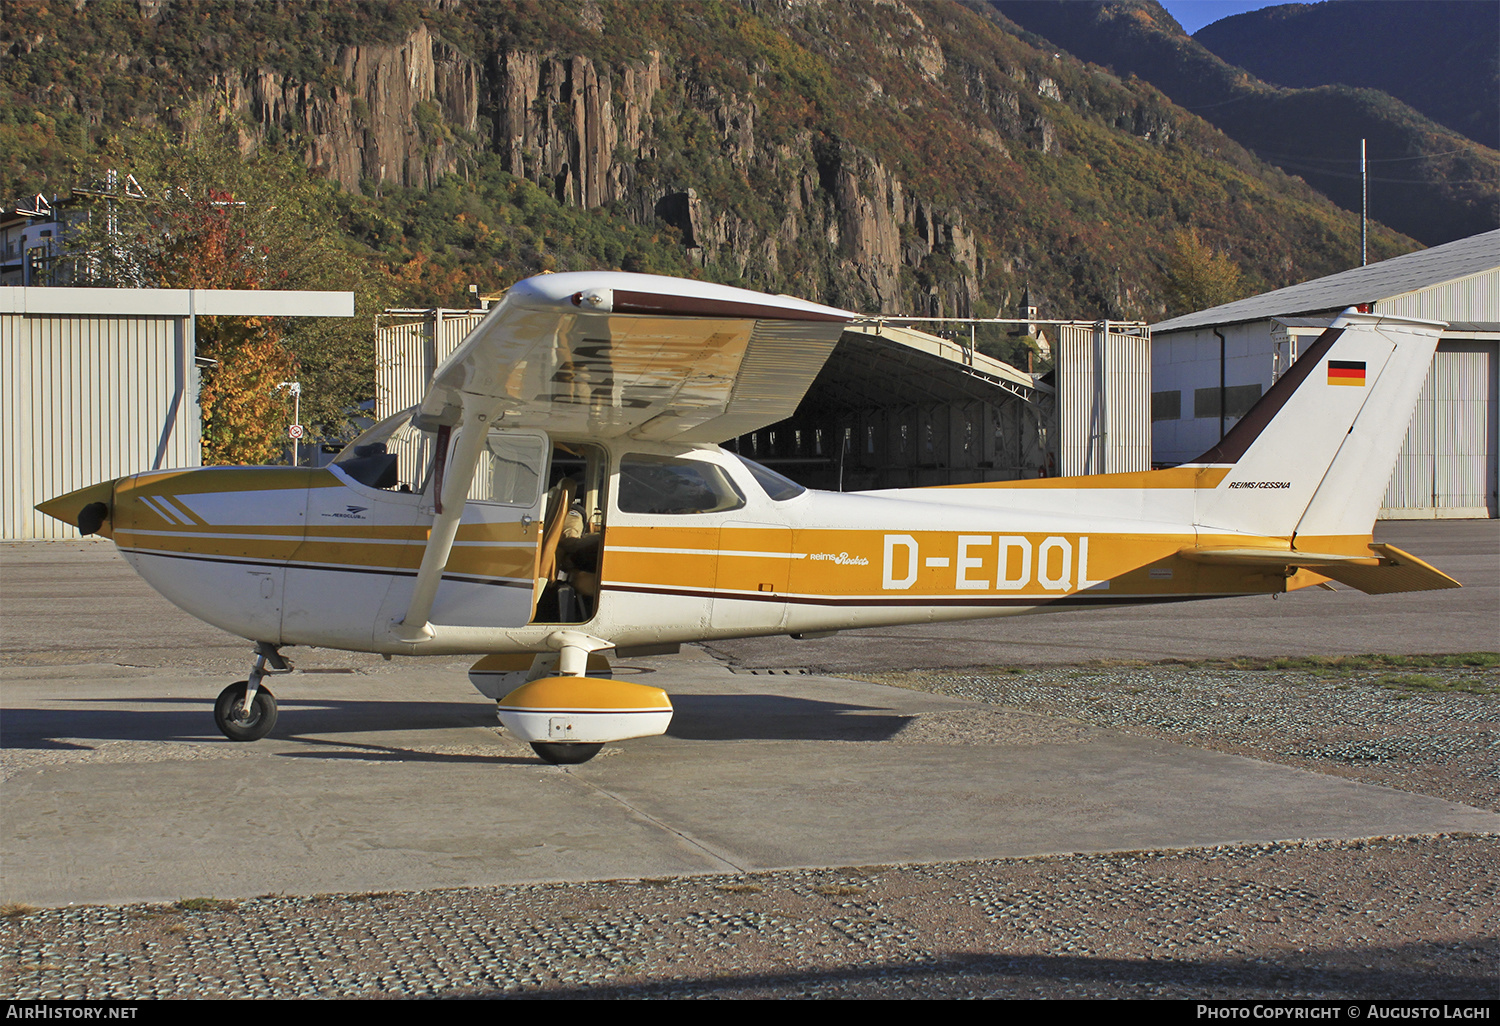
(1448, 466)
(89, 399)
(1475, 298)
(408, 351)
(1103, 430)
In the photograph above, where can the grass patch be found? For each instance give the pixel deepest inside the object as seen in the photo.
(1355, 663)
(1411, 683)
(16, 910)
(740, 888)
(208, 905)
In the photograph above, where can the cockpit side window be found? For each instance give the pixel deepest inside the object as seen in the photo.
(663, 485)
(510, 469)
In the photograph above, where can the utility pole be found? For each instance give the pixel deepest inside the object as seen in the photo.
(295, 387)
(1364, 209)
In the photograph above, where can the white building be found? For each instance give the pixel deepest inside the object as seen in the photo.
(1209, 367)
(29, 241)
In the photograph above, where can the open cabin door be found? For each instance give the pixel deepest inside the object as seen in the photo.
(491, 576)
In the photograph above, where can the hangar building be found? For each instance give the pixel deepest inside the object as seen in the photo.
(1209, 367)
(101, 383)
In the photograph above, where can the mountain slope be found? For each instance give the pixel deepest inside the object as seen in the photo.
(1436, 185)
(1442, 57)
(898, 157)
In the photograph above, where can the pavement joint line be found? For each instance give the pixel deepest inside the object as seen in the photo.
(707, 849)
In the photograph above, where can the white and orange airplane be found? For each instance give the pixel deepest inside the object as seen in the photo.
(559, 494)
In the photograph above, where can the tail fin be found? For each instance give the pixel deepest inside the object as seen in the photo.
(1314, 456)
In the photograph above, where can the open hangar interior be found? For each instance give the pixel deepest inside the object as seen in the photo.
(1209, 367)
(897, 408)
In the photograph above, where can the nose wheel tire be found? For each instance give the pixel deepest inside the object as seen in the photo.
(564, 753)
(230, 716)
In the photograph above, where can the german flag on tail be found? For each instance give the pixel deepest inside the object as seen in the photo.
(1346, 372)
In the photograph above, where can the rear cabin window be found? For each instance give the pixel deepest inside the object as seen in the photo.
(663, 485)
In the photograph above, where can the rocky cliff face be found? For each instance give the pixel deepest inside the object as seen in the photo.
(392, 120)
(410, 113)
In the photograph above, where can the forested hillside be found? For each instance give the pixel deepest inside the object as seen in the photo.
(906, 157)
(1429, 181)
(1441, 57)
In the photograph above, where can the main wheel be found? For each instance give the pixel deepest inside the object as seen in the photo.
(566, 753)
(230, 716)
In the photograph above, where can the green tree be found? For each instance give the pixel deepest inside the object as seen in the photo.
(1197, 277)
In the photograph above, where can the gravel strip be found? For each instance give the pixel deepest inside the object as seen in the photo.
(1396, 918)
(1430, 730)
(1406, 918)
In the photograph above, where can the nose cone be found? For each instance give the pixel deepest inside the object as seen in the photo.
(90, 509)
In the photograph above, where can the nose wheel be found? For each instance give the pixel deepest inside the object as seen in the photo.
(246, 711)
(566, 753)
(240, 724)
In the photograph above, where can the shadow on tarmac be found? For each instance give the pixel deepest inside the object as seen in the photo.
(36, 728)
(984, 974)
(769, 717)
(734, 717)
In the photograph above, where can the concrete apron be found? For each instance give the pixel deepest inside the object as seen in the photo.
(120, 790)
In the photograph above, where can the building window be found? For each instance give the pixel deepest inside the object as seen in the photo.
(1237, 401)
(1166, 405)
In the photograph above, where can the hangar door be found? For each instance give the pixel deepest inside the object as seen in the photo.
(1447, 468)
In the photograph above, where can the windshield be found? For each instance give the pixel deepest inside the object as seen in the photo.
(773, 484)
(392, 454)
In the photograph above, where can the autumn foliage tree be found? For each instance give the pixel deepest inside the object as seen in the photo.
(1198, 277)
(207, 243)
(209, 218)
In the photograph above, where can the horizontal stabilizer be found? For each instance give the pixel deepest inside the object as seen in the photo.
(1398, 571)
(1385, 571)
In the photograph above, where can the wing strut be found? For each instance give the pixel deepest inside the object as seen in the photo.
(452, 494)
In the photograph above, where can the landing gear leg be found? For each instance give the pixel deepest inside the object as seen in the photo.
(245, 711)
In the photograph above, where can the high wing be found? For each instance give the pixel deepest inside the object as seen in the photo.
(608, 354)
